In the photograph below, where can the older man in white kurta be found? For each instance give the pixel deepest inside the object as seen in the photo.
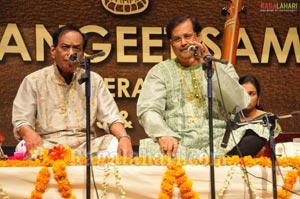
(57, 110)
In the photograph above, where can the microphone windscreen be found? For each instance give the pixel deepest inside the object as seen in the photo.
(73, 58)
(193, 49)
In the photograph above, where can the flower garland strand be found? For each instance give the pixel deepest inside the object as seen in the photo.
(105, 183)
(226, 182)
(45, 158)
(117, 178)
(58, 157)
(289, 179)
(176, 174)
(60, 175)
(118, 182)
(42, 180)
(252, 189)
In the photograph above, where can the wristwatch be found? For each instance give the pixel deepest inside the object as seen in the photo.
(122, 135)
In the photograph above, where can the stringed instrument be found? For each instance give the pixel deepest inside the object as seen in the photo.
(231, 29)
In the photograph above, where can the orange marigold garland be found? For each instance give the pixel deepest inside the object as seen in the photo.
(60, 175)
(58, 157)
(42, 180)
(43, 158)
(290, 180)
(176, 174)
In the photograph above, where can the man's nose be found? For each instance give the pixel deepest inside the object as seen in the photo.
(183, 40)
(72, 51)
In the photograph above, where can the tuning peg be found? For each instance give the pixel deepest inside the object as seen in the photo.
(224, 11)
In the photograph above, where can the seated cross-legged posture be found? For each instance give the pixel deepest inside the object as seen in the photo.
(173, 104)
(50, 106)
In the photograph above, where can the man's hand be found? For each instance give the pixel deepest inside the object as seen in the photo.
(125, 147)
(168, 145)
(31, 138)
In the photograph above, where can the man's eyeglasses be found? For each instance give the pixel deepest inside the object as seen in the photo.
(186, 37)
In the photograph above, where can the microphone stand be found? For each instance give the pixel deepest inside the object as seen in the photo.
(208, 67)
(85, 77)
(270, 120)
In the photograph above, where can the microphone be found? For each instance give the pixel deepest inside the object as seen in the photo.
(98, 54)
(73, 58)
(193, 49)
(208, 58)
(230, 125)
(272, 117)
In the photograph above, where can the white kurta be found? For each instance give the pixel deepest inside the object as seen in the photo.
(57, 110)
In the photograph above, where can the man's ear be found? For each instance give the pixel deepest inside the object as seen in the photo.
(52, 51)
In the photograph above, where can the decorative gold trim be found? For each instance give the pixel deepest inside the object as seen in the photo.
(125, 7)
(197, 85)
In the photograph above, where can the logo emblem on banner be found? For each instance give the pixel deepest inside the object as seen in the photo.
(125, 7)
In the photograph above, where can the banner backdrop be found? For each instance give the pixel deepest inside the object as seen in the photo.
(131, 33)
